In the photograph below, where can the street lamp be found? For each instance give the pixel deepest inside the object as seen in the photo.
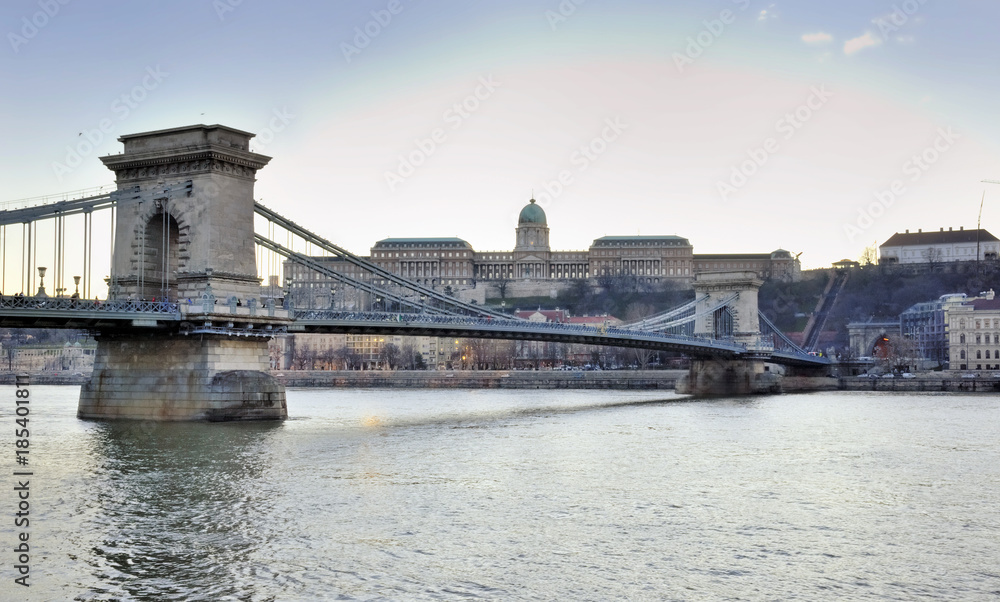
(41, 284)
(76, 281)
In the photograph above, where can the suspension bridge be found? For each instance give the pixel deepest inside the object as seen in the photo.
(183, 328)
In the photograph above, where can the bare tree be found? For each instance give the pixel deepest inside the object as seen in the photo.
(390, 355)
(641, 357)
(303, 358)
(10, 349)
(500, 285)
(328, 358)
(347, 358)
(408, 354)
(932, 255)
(869, 256)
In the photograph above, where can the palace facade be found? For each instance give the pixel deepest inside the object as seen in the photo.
(532, 267)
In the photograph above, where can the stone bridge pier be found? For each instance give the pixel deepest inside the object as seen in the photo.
(748, 374)
(196, 246)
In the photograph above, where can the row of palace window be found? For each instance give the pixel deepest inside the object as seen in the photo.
(422, 254)
(979, 354)
(980, 339)
(980, 323)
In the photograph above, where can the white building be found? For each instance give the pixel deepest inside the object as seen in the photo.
(974, 334)
(943, 246)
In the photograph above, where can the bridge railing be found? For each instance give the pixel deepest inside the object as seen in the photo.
(87, 305)
(491, 323)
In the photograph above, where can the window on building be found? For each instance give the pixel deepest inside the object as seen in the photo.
(961, 354)
(979, 354)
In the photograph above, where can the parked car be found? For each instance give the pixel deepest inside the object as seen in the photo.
(889, 375)
(907, 375)
(969, 375)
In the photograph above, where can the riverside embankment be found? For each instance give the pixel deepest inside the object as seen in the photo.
(483, 379)
(554, 379)
(942, 382)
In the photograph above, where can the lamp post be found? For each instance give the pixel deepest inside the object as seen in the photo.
(76, 281)
(41, 284)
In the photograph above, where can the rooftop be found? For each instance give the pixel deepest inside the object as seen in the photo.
(674, 240)
(442, 241)
(941, 237)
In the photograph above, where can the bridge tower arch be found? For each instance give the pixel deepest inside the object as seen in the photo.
(158, 257)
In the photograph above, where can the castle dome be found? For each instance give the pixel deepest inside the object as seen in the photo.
(531, 214)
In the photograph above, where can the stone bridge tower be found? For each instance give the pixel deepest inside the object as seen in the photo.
(740, 322)
(196, 248)
(747, 374)
(176, 247)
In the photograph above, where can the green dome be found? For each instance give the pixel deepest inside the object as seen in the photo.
(531, 214)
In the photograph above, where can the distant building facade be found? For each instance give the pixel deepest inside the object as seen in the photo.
(451, 264)
(68, 357)
(926, 324)
(974, 334)
(943, 246)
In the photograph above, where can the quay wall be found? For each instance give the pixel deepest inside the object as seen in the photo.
(632, 379)
(483, 379)
(949, 383)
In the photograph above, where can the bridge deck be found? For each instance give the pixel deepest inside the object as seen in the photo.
(125, 315)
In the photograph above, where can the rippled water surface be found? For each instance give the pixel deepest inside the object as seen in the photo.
(519, 495)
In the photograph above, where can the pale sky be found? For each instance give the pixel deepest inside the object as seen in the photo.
(742, 126)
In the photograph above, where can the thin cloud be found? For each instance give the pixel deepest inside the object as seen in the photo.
(819, 37)
(855, 44)
(767, 13)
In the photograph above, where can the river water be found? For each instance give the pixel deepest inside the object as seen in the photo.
(517, 495)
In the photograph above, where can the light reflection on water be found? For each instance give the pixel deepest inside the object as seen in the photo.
(581, 495)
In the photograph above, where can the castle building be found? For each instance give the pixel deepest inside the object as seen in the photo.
(453, 265)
